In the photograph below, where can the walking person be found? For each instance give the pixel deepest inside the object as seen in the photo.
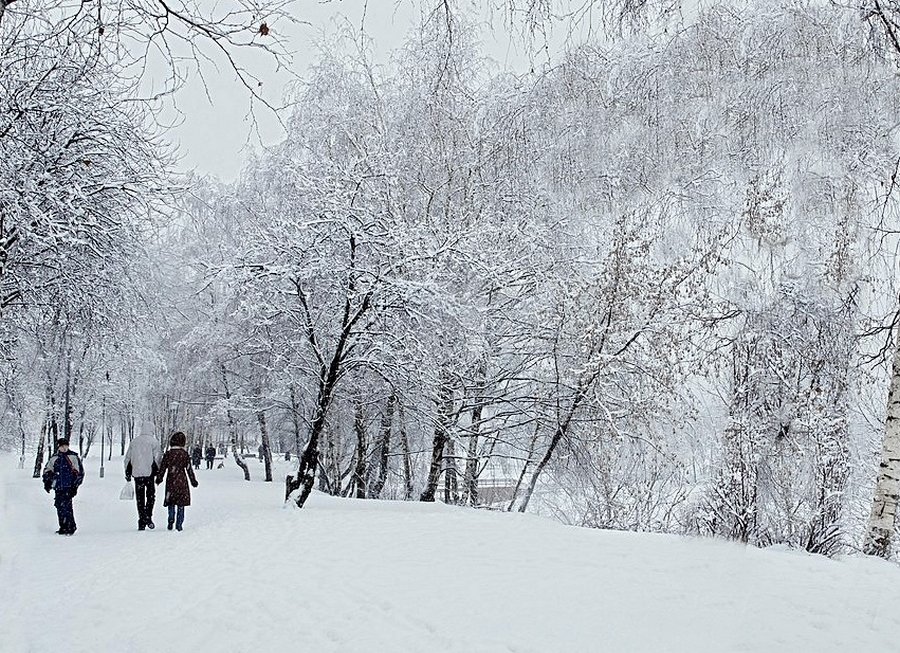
(176, 469)
(196, 455)
(210, 455)
(64, 473)
(142, 463)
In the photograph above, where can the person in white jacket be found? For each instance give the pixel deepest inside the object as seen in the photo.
(142, 462)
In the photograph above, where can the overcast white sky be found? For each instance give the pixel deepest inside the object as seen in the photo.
(216, 133)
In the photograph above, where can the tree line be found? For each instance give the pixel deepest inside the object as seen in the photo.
(649, 286)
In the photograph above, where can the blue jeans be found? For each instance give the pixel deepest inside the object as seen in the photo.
(179, 522)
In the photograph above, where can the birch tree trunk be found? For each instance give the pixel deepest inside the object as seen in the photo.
(887, 488)
(329, 466)
(451, 475)
(22, 455)
(360, 471)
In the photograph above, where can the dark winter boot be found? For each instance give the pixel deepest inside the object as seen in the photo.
(151, 525)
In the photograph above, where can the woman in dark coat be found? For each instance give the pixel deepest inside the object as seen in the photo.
(176, 462)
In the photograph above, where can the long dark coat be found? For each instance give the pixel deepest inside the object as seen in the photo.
(177, 463)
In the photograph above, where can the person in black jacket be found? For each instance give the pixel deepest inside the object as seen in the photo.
(64, 473)
(210, 456)
(196, 455)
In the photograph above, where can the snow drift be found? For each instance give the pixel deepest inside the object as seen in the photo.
(248, 574)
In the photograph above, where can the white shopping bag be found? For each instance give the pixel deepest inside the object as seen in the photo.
(127, 493)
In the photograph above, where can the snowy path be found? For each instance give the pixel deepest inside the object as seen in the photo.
(348, 576)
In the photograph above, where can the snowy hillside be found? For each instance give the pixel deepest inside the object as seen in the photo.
(342, 575)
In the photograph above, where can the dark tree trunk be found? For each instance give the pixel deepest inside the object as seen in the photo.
(441, 435)
(295, 417)
(53, 424)
(562, 430)
(434, 470)
(92, 431)
(267, 450)
(81, 416)
(306, 473)
(471, 474)
(39, 456)
(51, 433)
(231, 425)
(328, 377)
(521, 479)
(407, 458)
(384, 446)
(558, 435)
(309, 459)
(67, 408)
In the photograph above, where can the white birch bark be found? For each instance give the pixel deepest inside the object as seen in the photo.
(887, 488)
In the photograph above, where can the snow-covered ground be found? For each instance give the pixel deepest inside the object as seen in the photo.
(248, 574)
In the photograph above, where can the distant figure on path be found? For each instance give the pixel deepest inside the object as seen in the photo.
(210, 456)
(176, 469)
(64, 473)
(196, 455)
(142, 463)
